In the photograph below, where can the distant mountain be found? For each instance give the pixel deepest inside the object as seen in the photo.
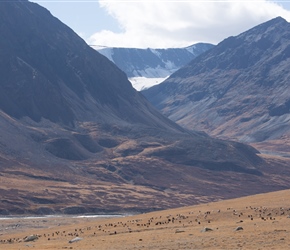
(239, 89)
(147, 67)
(75, 136)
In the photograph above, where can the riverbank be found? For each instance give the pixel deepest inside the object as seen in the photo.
(15, 224)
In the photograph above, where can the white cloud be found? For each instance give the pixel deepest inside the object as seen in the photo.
(166, 23)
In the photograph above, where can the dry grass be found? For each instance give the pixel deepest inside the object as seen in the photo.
(264, 218)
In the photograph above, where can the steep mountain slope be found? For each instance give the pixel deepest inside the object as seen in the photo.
(147, 67)
(76, 137)
(239, 89)
(44, 60)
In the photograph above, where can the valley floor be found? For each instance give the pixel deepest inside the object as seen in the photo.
(264, 222)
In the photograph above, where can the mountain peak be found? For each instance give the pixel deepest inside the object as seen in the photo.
(267, 28)
(277, 19)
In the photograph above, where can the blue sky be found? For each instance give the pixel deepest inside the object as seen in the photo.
(85, 17)
(162, 23)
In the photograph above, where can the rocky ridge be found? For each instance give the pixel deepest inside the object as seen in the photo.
(237, 90)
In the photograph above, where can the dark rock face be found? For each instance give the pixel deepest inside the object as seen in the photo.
(239, 89)
(76, 135)
(153, 63)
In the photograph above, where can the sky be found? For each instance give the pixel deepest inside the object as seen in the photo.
(162, 23)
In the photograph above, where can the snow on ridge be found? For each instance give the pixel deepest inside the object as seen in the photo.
(191, 49)
(156, 52)
(170, 66)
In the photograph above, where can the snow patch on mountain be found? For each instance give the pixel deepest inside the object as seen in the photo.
(142, 83)
(191, 49)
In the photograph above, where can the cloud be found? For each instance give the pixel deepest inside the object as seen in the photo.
(165, 23)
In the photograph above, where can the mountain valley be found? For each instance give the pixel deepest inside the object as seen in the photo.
(76, 137)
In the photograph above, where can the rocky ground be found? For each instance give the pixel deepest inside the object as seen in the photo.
(254, 222)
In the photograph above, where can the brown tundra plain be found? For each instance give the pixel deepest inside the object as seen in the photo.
(254, 222)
